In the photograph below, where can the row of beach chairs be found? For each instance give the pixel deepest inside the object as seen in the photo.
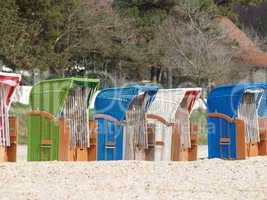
(135, 122)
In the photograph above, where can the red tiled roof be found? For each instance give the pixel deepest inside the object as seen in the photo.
(249, 53)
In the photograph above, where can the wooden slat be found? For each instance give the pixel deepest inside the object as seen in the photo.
(263, 136)
(71, 155)
(263, 148)
(183, 155)
(64, 141)
(3, 154)
(46, 142)
(92, 151)
(150, 151)
(11, 151)
(252, 149)
(43, 113)
(176, 143)
(82, 154)
(13, 134)
(160, 143)
(220, 115)
(192, 152)
(240, 140)
(225, 140)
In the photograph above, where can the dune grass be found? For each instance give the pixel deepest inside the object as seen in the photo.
(200, 118)
(20, 111)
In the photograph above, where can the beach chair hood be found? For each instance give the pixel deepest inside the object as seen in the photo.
(51, 95)
(226, 99)
(10, 82)
(167, 101)
(116, 101)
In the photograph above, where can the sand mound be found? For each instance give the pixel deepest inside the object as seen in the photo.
(204, 179)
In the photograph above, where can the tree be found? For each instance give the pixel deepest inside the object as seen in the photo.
(147, 4)
(100, 40)
(254, 17)
(195, 50)
(30, 30)
(50, 17)
(15, 36)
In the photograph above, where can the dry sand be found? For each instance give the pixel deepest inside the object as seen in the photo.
(202, 179)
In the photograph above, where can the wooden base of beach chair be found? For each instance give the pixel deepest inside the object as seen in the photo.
(244, 150)
(13, 132)
(240, 140)
(84, 154)
(78, 154)
(263, 144)
(177, 153)
(81, 154)
(190, 154)
(263, 137)
(9, 154)
(92, 151)
(3, 154)
(150, 152)
(252, 149)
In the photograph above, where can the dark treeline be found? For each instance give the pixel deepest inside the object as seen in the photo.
(167, 41)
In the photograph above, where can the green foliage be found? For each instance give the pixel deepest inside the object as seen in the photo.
(245, 2)
(58, 35)
(21, 111)
(29, 31)
(50, 14)
(146, 4)
(228, 9)
(14, 38)
(148, 16)
(147, 12)
(199, 117)
(225, 9)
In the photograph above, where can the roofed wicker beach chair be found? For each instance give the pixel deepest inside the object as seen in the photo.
(58, 126)
(8, 124)
(237, 120)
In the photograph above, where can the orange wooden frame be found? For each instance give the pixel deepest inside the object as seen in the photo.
(43, 113)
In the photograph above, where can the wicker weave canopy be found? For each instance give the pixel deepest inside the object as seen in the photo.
(167, 101)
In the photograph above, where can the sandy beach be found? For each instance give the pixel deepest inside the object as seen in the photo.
(202, 179)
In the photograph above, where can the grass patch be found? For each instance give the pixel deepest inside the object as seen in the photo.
(20, 111)
(200, 118)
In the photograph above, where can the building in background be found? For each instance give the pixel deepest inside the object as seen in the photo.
(247, 54)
